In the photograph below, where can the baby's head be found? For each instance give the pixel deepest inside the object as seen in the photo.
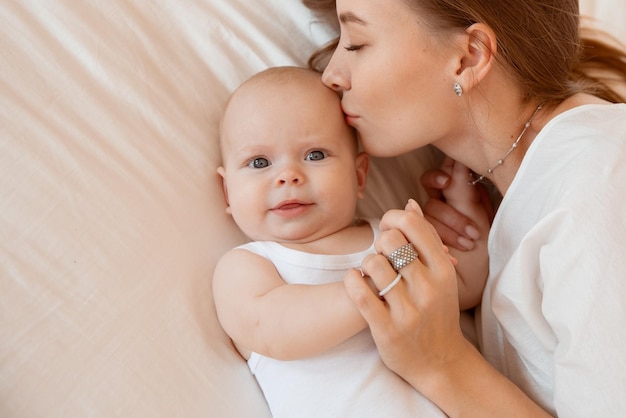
(268, 99)
(291, 169)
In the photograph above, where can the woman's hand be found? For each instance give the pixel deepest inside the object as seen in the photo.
(416, 326)
(455, 229)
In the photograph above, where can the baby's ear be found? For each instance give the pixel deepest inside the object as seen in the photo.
(222, 174)
(362, 168)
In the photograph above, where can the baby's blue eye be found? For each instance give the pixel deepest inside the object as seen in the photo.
(315, 155)
(259, 162)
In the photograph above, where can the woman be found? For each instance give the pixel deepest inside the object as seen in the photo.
(506, 89)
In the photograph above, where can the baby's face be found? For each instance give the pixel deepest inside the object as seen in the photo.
(291, 170)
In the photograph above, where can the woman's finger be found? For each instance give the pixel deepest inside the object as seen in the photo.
(454, 228)
(389, 240)
(433, 181)
(382, 274)
(370, 305)
(450, 237)
(417, 230)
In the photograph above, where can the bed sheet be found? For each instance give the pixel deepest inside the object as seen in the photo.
(111, 214)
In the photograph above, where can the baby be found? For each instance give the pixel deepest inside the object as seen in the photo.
(292, 176)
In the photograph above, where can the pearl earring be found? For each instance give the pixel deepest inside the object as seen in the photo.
(458, 90)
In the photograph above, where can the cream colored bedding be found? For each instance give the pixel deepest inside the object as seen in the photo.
(111, 215)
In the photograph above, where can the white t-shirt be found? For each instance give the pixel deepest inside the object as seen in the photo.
(553, 315)
(350, 379)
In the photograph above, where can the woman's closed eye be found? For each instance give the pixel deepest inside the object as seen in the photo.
(352, 47)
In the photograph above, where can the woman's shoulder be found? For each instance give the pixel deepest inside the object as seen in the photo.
(586, 133)
(578, 155)
(590, 113)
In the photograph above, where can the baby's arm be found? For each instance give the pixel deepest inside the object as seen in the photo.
(473, 266)
(262, 313)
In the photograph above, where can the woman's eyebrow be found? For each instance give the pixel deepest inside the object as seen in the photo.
(349, 17)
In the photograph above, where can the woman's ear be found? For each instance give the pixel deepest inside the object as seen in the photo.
(362, 168)
(222, 173)
(479, 46)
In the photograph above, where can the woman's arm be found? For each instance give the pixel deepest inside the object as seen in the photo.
(262, 313)
(417, 330)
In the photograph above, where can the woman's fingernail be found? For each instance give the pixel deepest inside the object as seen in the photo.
(412, 205)
(465, 243)
(441, 180)
(472, 232)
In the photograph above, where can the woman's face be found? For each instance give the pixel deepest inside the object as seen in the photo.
(395, 77)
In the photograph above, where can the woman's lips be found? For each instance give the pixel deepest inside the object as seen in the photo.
(350, 117)
(351, 120)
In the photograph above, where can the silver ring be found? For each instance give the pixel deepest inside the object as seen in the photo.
(390, 286)
(402, 256)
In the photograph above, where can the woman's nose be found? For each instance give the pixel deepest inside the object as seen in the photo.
(336, 75)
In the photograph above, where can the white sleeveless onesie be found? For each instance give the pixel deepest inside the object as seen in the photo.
(349, 380)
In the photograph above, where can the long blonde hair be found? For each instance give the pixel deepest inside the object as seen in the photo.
(541, 42)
